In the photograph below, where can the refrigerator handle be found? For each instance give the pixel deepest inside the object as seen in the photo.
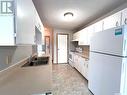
(124, 45)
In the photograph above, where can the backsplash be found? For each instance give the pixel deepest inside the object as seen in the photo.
(86, 51)
(83, 50)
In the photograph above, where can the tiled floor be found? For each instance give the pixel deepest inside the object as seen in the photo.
(68, 81)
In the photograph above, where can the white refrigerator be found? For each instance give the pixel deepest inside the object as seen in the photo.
(108, 62)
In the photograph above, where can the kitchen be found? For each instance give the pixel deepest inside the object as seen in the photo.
(31, 59)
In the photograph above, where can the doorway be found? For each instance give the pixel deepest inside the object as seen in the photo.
(62, 48)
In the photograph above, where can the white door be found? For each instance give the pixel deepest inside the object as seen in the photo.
(62, 48)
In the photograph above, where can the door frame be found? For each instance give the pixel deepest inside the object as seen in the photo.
(57, 46)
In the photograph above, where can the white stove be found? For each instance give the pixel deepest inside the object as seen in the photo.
(71, 59)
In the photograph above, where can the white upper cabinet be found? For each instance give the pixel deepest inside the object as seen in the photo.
(7, 30)
(76, 36)
(90, 29)
(39, 30)
(25, 22)
(112, 21)
(83, 40)
(98, 26)
(124, 17)
(86, 34)
(38, 23)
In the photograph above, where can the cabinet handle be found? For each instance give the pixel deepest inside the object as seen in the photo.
(117, 23)
(125, 21)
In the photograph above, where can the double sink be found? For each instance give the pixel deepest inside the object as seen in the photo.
(37, 61)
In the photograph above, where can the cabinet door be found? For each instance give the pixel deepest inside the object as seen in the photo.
(75, 60)
(76, 36)
(38, 22)
(112, 21)
(25, 19)
(83, 40)
(40, 27)
(98, 26)
(80, 62)
(77, 63)
(124, 16)
(86, 72)
(90, 31)
(7, 30)
(83, 69)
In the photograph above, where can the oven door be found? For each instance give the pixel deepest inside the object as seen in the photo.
(71, 59)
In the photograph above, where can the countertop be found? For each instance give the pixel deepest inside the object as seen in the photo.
(80, 54)
(28, 81)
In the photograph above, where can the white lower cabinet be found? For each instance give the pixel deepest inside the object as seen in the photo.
(81, 65)
(76, 62)
(85, 69)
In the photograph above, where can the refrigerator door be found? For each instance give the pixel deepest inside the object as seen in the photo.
(112, 41)
(104, 74)
(123, 89)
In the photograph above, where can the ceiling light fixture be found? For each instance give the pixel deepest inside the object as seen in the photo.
(68, 16)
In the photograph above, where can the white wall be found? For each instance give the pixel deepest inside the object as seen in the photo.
(55, 34)
(16, 54)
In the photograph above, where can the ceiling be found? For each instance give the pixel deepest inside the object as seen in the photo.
(51, 11)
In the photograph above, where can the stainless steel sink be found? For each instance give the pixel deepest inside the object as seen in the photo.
(37, 62)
